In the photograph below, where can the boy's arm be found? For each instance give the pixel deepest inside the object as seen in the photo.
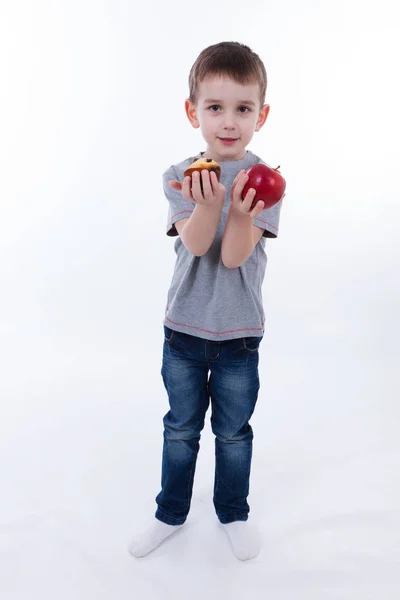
(239, 239)
(240, 235)
(198, 232)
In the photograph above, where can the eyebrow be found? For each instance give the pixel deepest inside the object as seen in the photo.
(214, 101)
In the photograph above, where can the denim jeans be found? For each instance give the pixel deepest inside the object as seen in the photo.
(195, 371)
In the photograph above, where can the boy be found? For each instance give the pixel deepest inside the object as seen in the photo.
(214, 318)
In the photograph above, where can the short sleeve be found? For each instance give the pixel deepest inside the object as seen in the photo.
(269, 220)
(179, 208)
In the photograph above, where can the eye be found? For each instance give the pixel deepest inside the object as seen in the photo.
(244, 109)
(214, 107)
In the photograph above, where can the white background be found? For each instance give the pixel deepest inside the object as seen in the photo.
(91, 114)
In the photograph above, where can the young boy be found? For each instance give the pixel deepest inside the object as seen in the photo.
(214, 318)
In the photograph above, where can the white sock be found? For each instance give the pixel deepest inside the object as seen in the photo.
(152, 538)
(244, 538)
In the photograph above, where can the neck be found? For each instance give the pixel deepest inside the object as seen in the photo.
(208, 154)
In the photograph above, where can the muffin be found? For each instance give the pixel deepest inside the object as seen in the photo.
(203, 163)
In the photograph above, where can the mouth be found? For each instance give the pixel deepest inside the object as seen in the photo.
(228, 141)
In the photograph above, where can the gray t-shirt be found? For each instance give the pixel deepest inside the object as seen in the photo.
(205, 298)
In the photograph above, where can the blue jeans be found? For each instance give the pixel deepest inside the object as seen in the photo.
(195, 370)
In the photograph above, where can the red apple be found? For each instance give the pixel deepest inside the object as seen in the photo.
(268, 183)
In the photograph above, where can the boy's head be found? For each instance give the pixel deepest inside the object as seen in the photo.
(227, 87)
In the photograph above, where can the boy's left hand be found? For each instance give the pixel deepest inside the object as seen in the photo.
(243, 205)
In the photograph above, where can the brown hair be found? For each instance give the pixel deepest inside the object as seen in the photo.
(232, 59)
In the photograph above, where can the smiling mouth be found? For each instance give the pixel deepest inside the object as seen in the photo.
(228, 141)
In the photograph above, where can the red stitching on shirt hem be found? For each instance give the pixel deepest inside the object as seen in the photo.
(267, 222)
(215, 332)
(180, 213)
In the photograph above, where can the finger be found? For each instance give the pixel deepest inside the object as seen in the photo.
(216, 186)
(207, 189)
(196, 189)
(186, 192)
(219, 190)
(241, 173)
(240, 185)
(257, 210)
(248, 199)
(176, 185)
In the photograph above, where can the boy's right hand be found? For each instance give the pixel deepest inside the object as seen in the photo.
(213, 191)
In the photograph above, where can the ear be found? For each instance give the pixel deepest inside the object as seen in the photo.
(262, 117)
(190, 109)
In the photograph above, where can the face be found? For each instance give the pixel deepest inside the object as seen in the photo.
(228, 114)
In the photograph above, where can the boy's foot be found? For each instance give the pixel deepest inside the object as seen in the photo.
(244, 538)
(152, 538)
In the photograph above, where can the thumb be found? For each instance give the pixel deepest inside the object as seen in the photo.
(176, 185)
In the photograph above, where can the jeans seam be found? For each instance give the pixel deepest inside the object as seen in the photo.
(191, 478)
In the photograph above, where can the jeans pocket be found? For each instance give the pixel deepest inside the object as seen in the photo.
(168, 334)
(252, 344)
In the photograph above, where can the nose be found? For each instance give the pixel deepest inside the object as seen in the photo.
(229, 121)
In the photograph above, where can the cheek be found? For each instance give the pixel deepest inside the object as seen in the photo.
(250, 126)
(207, 123)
